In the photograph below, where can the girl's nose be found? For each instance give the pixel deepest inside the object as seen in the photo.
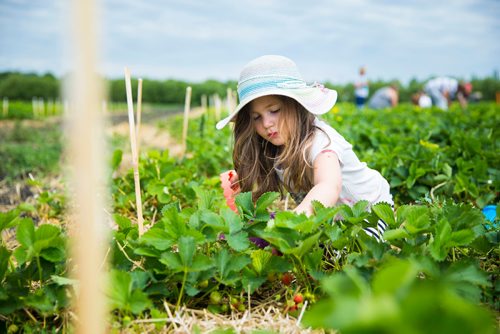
(268, 121)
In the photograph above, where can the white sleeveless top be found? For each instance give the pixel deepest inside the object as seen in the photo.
(359, 182)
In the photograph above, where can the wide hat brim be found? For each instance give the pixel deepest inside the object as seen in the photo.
(316, 99)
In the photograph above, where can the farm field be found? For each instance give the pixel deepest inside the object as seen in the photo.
(196, 267)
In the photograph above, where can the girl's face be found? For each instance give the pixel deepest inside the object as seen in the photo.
(266, 112)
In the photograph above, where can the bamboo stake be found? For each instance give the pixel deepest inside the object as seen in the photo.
(133, 145)
(87, 165)
(41, 107)
(139, 109)
(204, 103)
(217, 103)
(34, 106)
(229, 99)
(187, 105)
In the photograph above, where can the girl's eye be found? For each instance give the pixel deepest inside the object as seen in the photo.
(275, 111)
(256, 117)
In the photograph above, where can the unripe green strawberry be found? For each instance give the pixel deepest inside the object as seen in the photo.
(215, 297)
(203, 284)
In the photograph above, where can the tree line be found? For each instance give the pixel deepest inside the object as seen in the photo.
(25, 86)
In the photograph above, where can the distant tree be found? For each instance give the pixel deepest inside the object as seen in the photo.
(17, 86)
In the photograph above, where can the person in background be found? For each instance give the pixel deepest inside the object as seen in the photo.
(385, 97)
(444, 90)
(280, 144)
(421, 99)
(361, 89)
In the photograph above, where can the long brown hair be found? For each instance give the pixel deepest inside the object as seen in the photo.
(254, 157)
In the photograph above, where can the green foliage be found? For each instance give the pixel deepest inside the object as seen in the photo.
(424, 153)
(19, 86)
(435, 271)
(25, 149)
(24, 86)
(396, 300)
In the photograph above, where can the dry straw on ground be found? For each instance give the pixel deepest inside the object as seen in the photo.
(265, 317)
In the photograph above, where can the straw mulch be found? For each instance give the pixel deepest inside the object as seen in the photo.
(264, 318)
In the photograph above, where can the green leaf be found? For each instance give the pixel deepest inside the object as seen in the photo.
(63, 281)
(45, 237)
(232, 220)
(122, 222)
(138, 301)
(416, 219)
(399, 233)
(172, 261)
(385, 212)
(312, 260)
(439, 245)
(213, 220)
(253, 282)
(187, 248)
(360, 208)
(9, 219)
(116, 159)
(53, 254)
(201, 262)
(305, 245)
(462, 238)
(122, 296)
(260, 259)
(26, 233)
(238, 241)
(226, 263)
(147, 251)
(119, 288)
(244, 201)
(265, 200)
(394, 276)
(206, 198)
(4, 261)
(157, 238)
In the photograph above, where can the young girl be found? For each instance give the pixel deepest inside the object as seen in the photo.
(280, 144)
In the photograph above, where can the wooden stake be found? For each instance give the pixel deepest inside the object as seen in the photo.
(217, 103)
(229, 99)
(34, 105)
(187, 106)
(138, 126)
(85, 131)
(204, 103)
(5, 107)
(133, 145)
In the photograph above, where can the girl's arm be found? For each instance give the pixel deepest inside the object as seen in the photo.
(327, 183)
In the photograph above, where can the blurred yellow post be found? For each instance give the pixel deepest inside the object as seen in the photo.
(87, 160)
(497, 96)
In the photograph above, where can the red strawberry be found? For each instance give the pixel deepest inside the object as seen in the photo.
(298, 298)
(287, 278)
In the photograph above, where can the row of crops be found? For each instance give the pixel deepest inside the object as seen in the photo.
(437, 270)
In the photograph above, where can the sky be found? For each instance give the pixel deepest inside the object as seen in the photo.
(196, 40)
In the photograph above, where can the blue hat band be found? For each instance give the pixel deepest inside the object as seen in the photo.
(256, 86)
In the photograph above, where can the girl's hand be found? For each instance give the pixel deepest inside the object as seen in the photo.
(233, 178)
(229, 183)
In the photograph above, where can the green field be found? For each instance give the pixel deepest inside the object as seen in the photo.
(436, 272)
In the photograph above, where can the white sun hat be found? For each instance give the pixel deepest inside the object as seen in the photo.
(278, 75)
